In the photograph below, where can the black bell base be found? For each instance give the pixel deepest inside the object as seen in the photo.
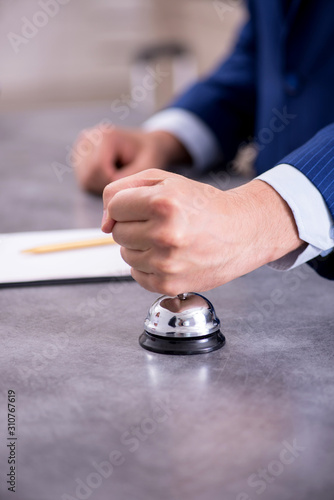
(185, 345)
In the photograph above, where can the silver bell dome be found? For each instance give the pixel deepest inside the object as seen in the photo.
(183, 316)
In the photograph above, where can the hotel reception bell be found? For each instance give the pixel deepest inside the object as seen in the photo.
(185, 324)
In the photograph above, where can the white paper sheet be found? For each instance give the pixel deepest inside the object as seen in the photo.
(94, 262)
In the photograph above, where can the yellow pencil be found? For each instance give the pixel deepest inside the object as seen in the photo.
(71, 245)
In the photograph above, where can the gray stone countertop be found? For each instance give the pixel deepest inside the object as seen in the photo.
(98, 417)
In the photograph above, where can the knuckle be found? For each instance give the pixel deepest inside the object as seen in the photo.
(169, 238)
(154, 172)
(122, 238)
(165, 206)
(124, 253)
(116, 236)
(108, 192)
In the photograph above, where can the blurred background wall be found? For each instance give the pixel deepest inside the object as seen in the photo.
(54, 52)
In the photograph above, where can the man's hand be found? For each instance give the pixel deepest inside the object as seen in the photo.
(104, 154)
(179, 235)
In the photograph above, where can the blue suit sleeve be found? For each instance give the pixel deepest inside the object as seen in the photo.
(225, 100)
(315, 159)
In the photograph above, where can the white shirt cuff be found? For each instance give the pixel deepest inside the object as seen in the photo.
(191, 131)
(313, 219)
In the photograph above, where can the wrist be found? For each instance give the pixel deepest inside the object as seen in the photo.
(169, 148)
(269, 222)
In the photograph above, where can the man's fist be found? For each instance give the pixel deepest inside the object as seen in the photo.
(179, 235)
(104, 154)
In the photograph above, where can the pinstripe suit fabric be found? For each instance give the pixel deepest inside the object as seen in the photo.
(315, 159)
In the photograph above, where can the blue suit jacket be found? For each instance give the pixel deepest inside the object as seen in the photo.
(277, 89)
